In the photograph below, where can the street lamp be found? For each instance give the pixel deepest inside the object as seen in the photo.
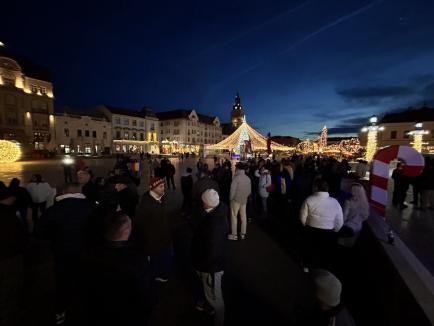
(417, 134)
(372, 129)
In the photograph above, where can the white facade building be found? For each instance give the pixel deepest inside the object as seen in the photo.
(133, 131)
(185, 131)
(82, 132)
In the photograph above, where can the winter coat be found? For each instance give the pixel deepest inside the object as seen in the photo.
(67, 225)
(322, 212)
(209, 239)
(264, 182)
(116, 285)
(187, 184)
(241, 187)
(128, 200)
(151, 225)
(12, 236)
(40, 192)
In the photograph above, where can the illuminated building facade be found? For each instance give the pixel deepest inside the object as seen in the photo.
(184, 131)
(237, 113)
(133, 131)
(400, 129)
(26, 103)
(82, 132)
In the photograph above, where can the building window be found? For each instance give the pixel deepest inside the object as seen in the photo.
(141, 136)
(141, 123)
(43, 90)
(79, 134)
(87, 150)
(118, 135)
(393, 134)
(126, 135)
(134, 136)
(176, 123)
(8, 82)
(126, 122)
(104, 135)
(152, 126)
(432, 133)
(94, 134)
(117, 120)
(162, 131)
(134, 123)
(66, 130)
(86, 133)
(406, 135)
(176, 131)
(34, 89)
(188, 139)
(161, 124)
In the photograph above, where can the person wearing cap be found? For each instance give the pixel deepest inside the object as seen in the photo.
(12, 244)
(209, 253)
(264, 182)
(241, 188)
(152, 230)
(327, 291)
(126, 197)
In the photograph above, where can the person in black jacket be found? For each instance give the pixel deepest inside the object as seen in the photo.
(12, 244)
(187, 191)
(209, 252)
(89, 189)
(23, 201)
(169, 172)
(127, 198)
(66, 226)
(116, 280)
(152, 232)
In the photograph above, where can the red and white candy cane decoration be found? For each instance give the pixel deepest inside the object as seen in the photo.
(414, 164)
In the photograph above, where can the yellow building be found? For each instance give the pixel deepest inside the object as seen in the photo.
(26, 103)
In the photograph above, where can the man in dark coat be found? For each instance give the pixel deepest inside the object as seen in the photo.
(23, 201)
(89, 189)
(126, 197)
(401, 184)
(209, 252)
(152, 231)
(170, 173)
(116, 280)
(66, 226)
(12, 243)
(187, 190)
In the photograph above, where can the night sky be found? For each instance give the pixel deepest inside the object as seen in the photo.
(298, 65)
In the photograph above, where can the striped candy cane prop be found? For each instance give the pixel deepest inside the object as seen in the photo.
(414, 163)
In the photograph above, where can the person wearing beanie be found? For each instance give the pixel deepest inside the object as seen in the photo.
(241, 188)
(327, 290)
(209, 253)
(152, 231)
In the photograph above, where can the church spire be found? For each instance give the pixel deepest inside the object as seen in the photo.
(237, 113)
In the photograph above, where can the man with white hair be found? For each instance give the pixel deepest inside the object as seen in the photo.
(209, 253)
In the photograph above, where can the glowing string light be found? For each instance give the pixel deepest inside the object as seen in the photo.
(9, 151)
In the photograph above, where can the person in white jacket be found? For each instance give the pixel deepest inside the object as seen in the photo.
(264, 182)
(241, 188)
(322, 218)
(41, 193)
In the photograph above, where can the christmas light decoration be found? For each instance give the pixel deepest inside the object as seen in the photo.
(322, 141)
(418, 137)
(372, 129)
(10, 151)
(349, 147)
(245, 132)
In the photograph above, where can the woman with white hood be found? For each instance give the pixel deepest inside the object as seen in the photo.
(264, 183)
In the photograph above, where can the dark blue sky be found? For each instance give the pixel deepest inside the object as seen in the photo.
(297, 64)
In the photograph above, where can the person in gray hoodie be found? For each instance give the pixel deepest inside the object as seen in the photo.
(240, 191)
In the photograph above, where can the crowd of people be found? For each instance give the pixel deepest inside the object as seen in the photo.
(108, 243)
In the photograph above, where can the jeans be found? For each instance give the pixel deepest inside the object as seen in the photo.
(264, 204)
(212, 288)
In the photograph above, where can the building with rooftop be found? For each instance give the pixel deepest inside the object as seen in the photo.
(185, 131)
(133, 131)
(82, 132)
(26, 102)
(397, 126)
